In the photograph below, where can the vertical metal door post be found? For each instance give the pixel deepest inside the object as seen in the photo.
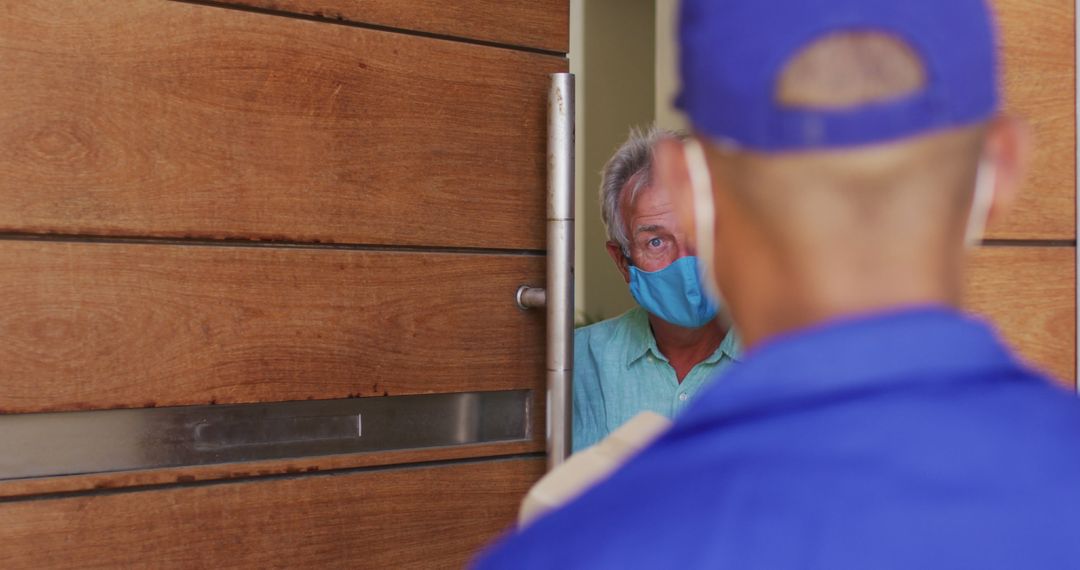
(560, 267)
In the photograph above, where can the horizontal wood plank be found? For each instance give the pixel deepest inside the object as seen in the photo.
(1030, 294)
(150, 118)
(541, 24)
(407, 518)
(103, 325)
(36, 486)
(1040, 86)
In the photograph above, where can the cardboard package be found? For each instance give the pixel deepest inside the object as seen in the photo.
(590, 466)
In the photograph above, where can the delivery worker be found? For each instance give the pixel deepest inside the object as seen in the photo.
(845, 154)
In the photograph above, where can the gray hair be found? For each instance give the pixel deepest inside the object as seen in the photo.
(634, 158)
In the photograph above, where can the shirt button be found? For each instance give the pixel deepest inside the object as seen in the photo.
(683, 397)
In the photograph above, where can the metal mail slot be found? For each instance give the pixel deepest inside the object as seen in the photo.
(70, 443)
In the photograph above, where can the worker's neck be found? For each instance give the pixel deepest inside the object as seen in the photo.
(836, 287)
(685, 348)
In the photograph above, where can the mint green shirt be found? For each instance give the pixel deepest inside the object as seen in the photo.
(619, 372)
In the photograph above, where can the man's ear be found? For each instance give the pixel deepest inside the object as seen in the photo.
(1009, 146)
(620, 260)
(670, 172)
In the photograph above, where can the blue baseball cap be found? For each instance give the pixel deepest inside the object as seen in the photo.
(733, 51)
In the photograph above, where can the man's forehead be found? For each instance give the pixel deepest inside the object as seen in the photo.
(652, 215)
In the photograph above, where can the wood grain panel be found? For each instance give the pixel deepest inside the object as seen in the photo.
(251, 469)
(1030, 294)
(1040, 85)
(542, 24)
(404, 518)
(97, 325)
(153, 118)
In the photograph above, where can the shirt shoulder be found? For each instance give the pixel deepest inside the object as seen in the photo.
(607, 328)
(608, 336)
(599, 349)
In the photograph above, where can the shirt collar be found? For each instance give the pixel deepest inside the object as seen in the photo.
(730, 347)
(640, 341)
(856, 354)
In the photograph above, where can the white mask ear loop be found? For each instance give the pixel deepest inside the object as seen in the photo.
(704, 214)
(983, 199)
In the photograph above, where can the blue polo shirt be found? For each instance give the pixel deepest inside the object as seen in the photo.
(908, 440)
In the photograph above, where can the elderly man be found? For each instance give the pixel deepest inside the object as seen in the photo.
(657, 356)
(845, 151)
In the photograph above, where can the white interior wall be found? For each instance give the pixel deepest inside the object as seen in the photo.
(577, 67)
(667, 69)
(613, 54)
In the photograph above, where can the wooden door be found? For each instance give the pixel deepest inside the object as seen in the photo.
(1024, 277)
(245, 202)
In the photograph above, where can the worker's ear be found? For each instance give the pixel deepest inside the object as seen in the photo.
(1008, 147)
(671, 172)
(620, 260)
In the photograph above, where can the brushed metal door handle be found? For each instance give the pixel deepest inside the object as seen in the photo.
(559, 293)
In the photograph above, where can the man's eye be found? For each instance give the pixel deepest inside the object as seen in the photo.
(656, 242)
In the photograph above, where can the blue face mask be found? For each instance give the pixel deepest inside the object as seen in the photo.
(674, 293)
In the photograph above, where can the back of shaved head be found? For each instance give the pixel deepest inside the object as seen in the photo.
(913, 186)
(804, 235)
